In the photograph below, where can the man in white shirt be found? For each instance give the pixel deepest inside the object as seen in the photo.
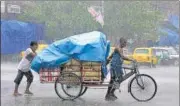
(24, 68)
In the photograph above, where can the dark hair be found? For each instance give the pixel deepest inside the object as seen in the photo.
(33, 43)
(122, 39)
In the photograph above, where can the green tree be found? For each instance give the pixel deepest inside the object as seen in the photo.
(62, 18)
(122, 18)
(130, 18)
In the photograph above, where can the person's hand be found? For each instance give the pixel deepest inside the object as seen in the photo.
(108, 60)
(107, 64)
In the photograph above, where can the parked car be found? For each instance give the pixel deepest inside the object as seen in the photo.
(167, 54)
(174, 56)
(165, 58)
(162, 55)
(145, 56)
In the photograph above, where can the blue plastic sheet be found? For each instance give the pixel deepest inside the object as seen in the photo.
(91, 46)
(172, 37)
(174, 20)
(16, 35)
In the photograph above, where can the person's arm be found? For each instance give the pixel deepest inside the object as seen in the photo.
(30, 52)
(109, 59)
(120, 51)
(33, 54)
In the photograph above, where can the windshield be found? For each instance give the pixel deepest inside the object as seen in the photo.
(142, 51)
(158, 52)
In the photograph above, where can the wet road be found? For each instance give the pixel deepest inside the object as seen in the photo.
(167, 79)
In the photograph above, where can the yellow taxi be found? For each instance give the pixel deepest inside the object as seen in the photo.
(40, 48)
(145, 55)
(126, 53)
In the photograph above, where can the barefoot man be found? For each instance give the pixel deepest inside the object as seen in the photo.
(24, 68)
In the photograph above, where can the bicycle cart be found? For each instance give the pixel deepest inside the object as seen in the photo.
(70, 84)
(73, 80)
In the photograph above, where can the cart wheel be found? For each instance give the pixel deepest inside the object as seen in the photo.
(83, 91)
(143, 87)
(68, 86)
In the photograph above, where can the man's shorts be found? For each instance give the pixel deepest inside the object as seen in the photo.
(20, 75)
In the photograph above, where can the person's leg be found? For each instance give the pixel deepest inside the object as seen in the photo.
(109, 87)
(112, 92)
(29, 77)
(114, 89)
(17, 81)
(109, 94)
(118, 75)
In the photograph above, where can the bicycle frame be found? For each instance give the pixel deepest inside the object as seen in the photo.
(134, 70)
(127, 75)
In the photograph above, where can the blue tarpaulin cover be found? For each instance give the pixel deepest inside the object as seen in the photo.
(174, 20)
(91, 46)
(172, 37)
(16, 35)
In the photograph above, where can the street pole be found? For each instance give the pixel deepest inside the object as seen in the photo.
(102, 9)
